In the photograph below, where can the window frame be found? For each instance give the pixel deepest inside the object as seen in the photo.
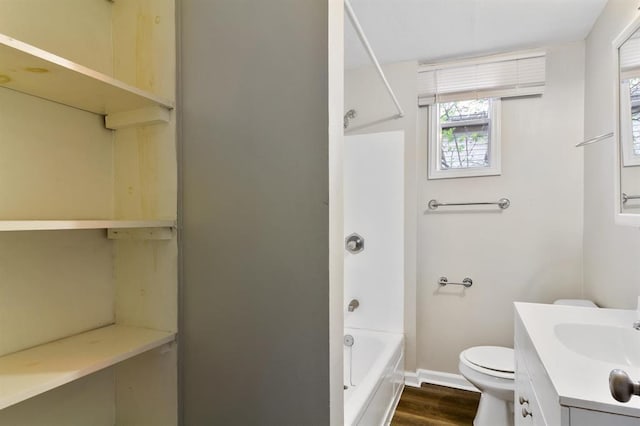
(435, 147)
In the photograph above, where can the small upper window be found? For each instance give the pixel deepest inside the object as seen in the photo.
(463, 108)
(634, 96)
(630, 121)
(464, 138)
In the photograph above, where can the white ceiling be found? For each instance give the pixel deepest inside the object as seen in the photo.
(400, 30)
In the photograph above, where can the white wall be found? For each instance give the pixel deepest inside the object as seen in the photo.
(611, 252)
(365, 93)
(530, 252)
(374, 209)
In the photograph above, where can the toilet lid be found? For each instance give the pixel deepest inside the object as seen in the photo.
(494, 358)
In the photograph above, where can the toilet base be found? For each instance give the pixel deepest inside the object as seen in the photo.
(493, 411)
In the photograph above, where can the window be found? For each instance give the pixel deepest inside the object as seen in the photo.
(464, 138)
(634, 89)
(461, 115)
(630, 121)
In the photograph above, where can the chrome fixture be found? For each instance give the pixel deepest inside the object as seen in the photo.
(348, 342)
(626, 197)
(467, 282)
(350, 115)
(621, 386)
(636, 325)
(503, 203)
(353, 305)
(594, 140)
(354, 243)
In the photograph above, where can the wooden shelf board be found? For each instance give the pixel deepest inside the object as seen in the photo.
(45, 225)
(34, 71)
(31, 372)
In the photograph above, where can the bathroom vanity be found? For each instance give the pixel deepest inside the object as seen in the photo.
(564, 355)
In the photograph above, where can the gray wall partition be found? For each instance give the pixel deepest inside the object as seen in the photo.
(255, 221)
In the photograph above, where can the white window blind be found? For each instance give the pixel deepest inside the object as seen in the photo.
(498, 76)
(630, 59)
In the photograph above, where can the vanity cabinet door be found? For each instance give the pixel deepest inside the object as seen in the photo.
(526, 407)
(528, 363)
(521, 411)
(580, 417)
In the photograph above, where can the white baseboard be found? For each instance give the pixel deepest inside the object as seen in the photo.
(455, 381)
(411, 379)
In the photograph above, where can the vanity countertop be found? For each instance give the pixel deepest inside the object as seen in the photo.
(579, 380)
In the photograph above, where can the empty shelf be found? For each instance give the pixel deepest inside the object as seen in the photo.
(44, 225)
(34, 71)
(31, 372)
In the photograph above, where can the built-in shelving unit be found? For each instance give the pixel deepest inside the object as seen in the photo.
(52, 225)
(34, 71)
(31, 372)
(87, 132)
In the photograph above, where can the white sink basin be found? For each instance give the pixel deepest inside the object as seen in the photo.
(616, 345)
(577, 348)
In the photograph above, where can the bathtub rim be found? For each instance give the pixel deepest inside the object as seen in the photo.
(362, 396)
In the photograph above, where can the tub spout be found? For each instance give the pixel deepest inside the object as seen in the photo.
(353, 305)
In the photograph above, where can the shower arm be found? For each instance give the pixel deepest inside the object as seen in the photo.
(367, 47)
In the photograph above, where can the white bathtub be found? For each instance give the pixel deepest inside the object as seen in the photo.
(373, 375)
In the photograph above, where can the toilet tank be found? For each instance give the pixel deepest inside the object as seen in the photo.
(576, 302)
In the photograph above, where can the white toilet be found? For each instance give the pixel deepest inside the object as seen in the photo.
(491, 370)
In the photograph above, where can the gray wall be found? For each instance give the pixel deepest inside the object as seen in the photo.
(255, 240)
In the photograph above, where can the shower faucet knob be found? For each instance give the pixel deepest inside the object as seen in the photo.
(354, 243)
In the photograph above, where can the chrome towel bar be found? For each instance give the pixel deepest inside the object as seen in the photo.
(503, 203)
(467, 282)
(626, 197)
(596, 139)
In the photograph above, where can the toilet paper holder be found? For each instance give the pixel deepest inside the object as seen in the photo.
(467, 282)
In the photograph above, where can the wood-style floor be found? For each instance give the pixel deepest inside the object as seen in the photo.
(436, 406)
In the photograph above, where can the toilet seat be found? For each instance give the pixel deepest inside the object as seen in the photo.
(493, 361)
